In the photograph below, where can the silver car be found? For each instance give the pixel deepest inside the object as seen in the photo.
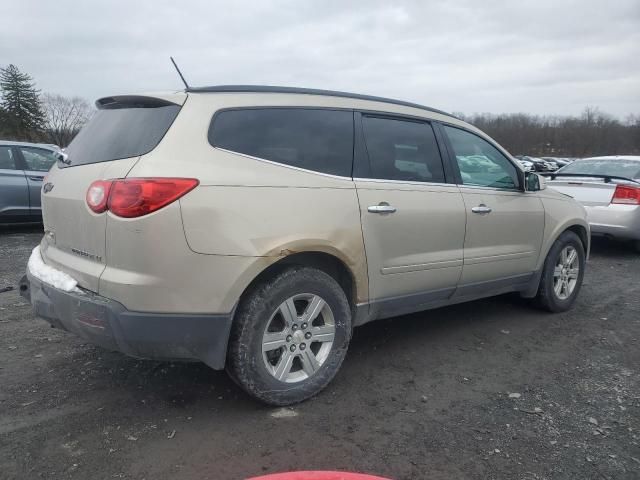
(22, 168)
(609, 189)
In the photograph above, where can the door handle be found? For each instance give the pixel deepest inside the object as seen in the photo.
(482, 209)
(35, 179)
(382, 207)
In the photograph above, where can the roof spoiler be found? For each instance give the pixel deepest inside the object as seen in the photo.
(131, 101)
(606, 178)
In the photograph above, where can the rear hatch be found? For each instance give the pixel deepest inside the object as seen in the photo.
(123, 129)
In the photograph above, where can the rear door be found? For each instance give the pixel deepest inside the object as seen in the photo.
(37, 162)
(413, 221)
(505, 224)
(14, 193)
(123, 129)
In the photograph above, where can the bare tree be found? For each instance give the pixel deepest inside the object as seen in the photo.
(65, 116)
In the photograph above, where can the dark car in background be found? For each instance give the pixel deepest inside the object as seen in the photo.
(23, 167)
(535, 164)
(559, 161)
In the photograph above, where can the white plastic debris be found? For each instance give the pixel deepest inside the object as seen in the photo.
(50, 275)
(284, 413)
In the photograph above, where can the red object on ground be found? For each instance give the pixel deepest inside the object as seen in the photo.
(318, 476)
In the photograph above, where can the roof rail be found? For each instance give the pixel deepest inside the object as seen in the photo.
(307, 91)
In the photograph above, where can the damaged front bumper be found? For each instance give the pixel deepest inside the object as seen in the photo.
(104, 322)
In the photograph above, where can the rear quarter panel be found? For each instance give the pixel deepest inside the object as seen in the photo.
(152, 269)
(276, 222)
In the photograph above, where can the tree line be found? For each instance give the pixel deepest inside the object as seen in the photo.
(593, 133)
(28, 114)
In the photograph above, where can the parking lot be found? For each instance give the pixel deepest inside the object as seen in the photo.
(489, 389)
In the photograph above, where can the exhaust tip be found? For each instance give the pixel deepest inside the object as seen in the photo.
(24, 288)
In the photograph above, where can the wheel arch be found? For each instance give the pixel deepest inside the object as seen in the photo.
(583, 235)
(578, 226)
(323, 261)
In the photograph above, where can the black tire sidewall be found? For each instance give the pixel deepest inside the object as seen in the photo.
(245, 362)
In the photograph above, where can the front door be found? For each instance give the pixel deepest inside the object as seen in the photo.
(413, 222)
(505, 225)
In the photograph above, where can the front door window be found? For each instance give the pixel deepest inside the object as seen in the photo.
(480, 163)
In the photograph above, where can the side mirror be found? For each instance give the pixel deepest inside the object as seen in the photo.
(62, 157)
(535, 182)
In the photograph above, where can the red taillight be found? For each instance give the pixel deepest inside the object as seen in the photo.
(134, 197)
(627, 195)
(98, 194)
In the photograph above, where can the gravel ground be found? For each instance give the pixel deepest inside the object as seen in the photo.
(490, 389)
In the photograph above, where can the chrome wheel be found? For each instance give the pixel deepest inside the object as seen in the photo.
(565, 274)
(298, 338)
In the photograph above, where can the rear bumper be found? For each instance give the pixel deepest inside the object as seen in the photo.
(110, 325)
(621, 221)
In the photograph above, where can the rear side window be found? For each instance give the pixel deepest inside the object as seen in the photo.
(402, 150)
(121, 131)
(7, 162)
(314, 139)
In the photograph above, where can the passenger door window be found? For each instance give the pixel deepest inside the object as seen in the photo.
(480, 163)
(38, 159)
(7, 160)
(314, 139)
(402, 150)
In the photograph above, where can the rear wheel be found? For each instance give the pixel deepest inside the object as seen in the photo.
(290, 336)
(637, 245)
(562, 274)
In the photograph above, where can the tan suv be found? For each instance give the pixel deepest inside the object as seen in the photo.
(252, 228)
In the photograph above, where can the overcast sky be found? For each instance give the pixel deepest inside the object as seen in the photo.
(548, 57)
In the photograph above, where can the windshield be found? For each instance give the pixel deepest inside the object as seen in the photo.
(617, 168)
(116, 133)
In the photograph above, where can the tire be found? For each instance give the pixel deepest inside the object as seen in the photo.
(636, 244)
(267, 310)
(548, 297)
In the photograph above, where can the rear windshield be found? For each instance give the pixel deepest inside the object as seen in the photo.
(617, 168)
(121, 132)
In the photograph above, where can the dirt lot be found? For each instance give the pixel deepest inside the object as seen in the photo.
(424, 396)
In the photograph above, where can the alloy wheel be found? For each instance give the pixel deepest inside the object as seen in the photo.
(298, 338)
(566, 272)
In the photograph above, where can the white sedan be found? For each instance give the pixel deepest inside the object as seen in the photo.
(609, 189)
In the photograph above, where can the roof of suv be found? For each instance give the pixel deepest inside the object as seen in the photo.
(306, 91)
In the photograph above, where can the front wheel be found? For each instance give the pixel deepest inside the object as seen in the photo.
(562, 274)
(290, 336)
